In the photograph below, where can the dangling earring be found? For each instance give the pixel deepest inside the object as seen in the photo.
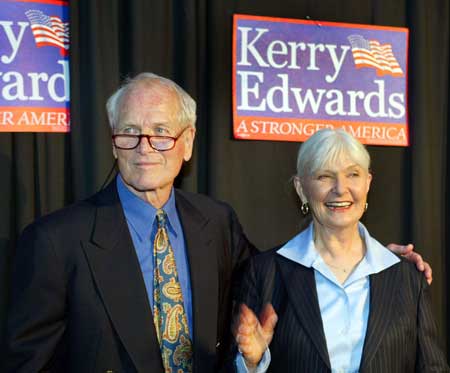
(305, 208)
(366, 206)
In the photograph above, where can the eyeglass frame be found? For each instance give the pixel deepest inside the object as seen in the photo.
(148, 137)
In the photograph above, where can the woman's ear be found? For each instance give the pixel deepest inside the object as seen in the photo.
(299, 189)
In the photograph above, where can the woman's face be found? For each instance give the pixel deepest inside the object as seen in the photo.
(336, 194)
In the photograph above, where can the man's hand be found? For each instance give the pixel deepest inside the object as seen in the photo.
(254, 335)
(407, 252)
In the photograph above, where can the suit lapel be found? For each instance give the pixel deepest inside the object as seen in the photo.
(204, 276)
(301, 289)
(117, 274)
(383, 294)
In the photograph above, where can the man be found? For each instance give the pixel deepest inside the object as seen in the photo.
(88, 292)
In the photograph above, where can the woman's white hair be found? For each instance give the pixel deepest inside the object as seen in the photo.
(186, 114)
(328, 146)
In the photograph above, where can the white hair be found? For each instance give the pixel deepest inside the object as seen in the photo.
(327, 146)
(186, 114)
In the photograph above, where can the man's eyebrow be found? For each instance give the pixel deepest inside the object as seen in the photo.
(123, 125)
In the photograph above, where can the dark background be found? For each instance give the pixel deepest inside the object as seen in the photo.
(190, 41)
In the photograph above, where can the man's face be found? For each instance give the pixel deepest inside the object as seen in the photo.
(151, 108)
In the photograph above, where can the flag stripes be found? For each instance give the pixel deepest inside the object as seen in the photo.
(370, 53)
(49, 30)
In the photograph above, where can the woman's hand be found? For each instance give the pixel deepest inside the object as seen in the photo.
(254, 335)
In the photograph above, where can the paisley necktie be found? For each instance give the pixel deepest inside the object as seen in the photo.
(169, 315)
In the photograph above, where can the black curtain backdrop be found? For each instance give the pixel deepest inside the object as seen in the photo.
(190, 42)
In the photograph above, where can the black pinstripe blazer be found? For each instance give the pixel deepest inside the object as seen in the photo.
(401, 333)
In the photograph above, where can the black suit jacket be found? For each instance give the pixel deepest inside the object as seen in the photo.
(79, 302)
(401, 334)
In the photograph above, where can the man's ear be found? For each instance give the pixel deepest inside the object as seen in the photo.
(189, 137)
(114, 150)
(299, 189)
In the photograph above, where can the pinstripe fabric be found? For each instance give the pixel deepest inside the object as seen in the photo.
(401, 334)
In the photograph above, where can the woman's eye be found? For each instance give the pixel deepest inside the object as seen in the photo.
(322, 177)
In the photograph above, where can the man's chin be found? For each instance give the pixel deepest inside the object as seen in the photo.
(143, 186)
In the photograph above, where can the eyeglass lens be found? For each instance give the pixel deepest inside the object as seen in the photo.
(156, 142)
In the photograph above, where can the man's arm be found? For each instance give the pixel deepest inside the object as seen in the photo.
(35, 321)
(242, 248)
(237, 250)
(430, 357)
(252, 334)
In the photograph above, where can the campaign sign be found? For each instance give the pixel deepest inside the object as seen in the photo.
(34, 66)
(294, 77)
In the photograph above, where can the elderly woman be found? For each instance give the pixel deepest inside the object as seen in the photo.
(344, 302)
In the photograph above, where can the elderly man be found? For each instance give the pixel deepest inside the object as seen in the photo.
(136, 278)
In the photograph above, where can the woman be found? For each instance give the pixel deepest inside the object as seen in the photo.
(344, 303)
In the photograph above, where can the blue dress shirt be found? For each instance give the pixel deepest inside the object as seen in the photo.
(140, 216)
(344, 307)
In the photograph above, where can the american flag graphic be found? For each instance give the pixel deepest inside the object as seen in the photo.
(370, 53)
(49, 30)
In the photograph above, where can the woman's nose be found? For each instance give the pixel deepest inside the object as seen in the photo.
(340, 184)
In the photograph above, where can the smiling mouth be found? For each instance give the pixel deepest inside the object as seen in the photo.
(338, 205)
(147, 164)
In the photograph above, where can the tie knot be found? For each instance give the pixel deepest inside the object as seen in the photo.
(161, 218)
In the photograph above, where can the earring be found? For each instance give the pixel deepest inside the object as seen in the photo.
(305, 208)
(366, 206)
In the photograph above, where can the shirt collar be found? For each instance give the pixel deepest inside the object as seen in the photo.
(141, 214)
(301, 249)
